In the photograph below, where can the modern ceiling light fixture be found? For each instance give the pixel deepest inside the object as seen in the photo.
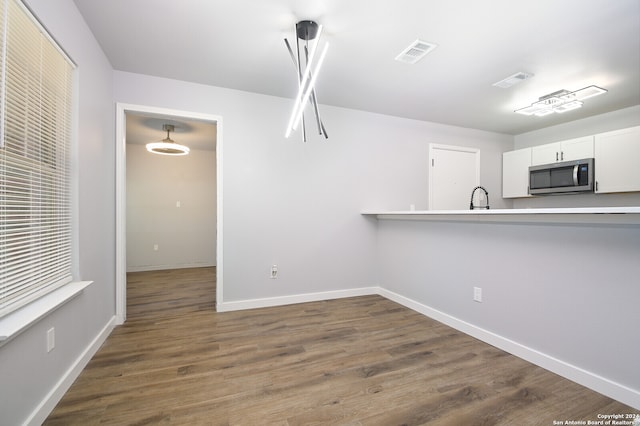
(307, 40)
(561, 101)
(167, 146)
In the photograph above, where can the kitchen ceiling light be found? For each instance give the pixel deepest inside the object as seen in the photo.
(309, 32)
(167, 146)
(560, 101)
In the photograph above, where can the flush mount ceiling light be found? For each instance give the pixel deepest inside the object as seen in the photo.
(308, 66)
(167, 146)
(560, 101)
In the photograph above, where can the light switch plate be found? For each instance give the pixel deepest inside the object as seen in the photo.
(477, 294)
(51, 339)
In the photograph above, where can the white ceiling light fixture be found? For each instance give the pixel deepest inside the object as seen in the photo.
(167, 146)
(561, 101)
(309, 33)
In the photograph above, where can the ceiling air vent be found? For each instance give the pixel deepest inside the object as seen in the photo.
(512, 80)
(415, 51)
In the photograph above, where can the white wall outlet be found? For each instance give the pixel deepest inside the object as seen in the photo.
(477, 294)
(178, 204)
(51, 339)
(274, 272)
(155, 247)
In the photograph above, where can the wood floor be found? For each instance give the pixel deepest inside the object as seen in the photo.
(355, 361)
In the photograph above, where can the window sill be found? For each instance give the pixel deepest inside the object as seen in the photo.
(18, 321)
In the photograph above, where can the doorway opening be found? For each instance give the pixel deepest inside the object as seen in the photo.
(168, 209)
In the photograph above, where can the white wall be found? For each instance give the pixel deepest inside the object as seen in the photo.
(297, 204)
(185, 235)
(28, 373)
(627, 117)
(620, 119)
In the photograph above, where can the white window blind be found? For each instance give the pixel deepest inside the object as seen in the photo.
(35, 161)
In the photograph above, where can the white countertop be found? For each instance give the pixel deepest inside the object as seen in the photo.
(611, 215)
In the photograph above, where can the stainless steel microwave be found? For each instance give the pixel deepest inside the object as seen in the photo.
(561, 178)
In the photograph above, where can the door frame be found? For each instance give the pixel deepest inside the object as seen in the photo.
(121, 196)
(435, 146)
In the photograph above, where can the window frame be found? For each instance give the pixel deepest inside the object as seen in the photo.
(51, 291)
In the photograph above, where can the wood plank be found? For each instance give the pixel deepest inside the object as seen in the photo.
(355, 361)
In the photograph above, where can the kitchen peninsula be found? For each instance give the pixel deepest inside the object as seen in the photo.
(554, 286)
(611, 215)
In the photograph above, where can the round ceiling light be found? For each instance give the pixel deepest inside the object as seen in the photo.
(167, 146)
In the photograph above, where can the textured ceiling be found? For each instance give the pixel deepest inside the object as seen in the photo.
(566, 44)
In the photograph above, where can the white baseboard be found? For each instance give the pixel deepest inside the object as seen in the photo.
(586, 378)
(289, 300)
(46, 406)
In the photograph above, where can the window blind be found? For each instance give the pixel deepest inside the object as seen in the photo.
(35, 160)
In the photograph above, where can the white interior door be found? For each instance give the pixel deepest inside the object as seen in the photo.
(453, 173)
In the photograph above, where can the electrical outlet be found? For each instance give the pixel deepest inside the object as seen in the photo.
(477, 294)
(274, 272)
(178, 204)
(155, 247)
(51, 339)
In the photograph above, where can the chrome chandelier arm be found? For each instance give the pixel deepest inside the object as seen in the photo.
(306, 31)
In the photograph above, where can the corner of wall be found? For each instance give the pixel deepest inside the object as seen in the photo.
(46, 406)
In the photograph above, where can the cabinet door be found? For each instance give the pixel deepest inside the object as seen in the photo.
(616, 160)
(515, 173)
(545, 154)
(576, 149)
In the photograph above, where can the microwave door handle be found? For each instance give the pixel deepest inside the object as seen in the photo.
(575, 175)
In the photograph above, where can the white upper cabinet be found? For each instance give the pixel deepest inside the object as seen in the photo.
(615, 154)
(515, 173)
(616, 161)
(576, 149)
(545, 154)
(572, 149)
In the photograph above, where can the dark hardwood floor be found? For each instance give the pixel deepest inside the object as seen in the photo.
(355, 361)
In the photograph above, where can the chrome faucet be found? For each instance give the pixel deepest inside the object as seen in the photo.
(486, 194)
